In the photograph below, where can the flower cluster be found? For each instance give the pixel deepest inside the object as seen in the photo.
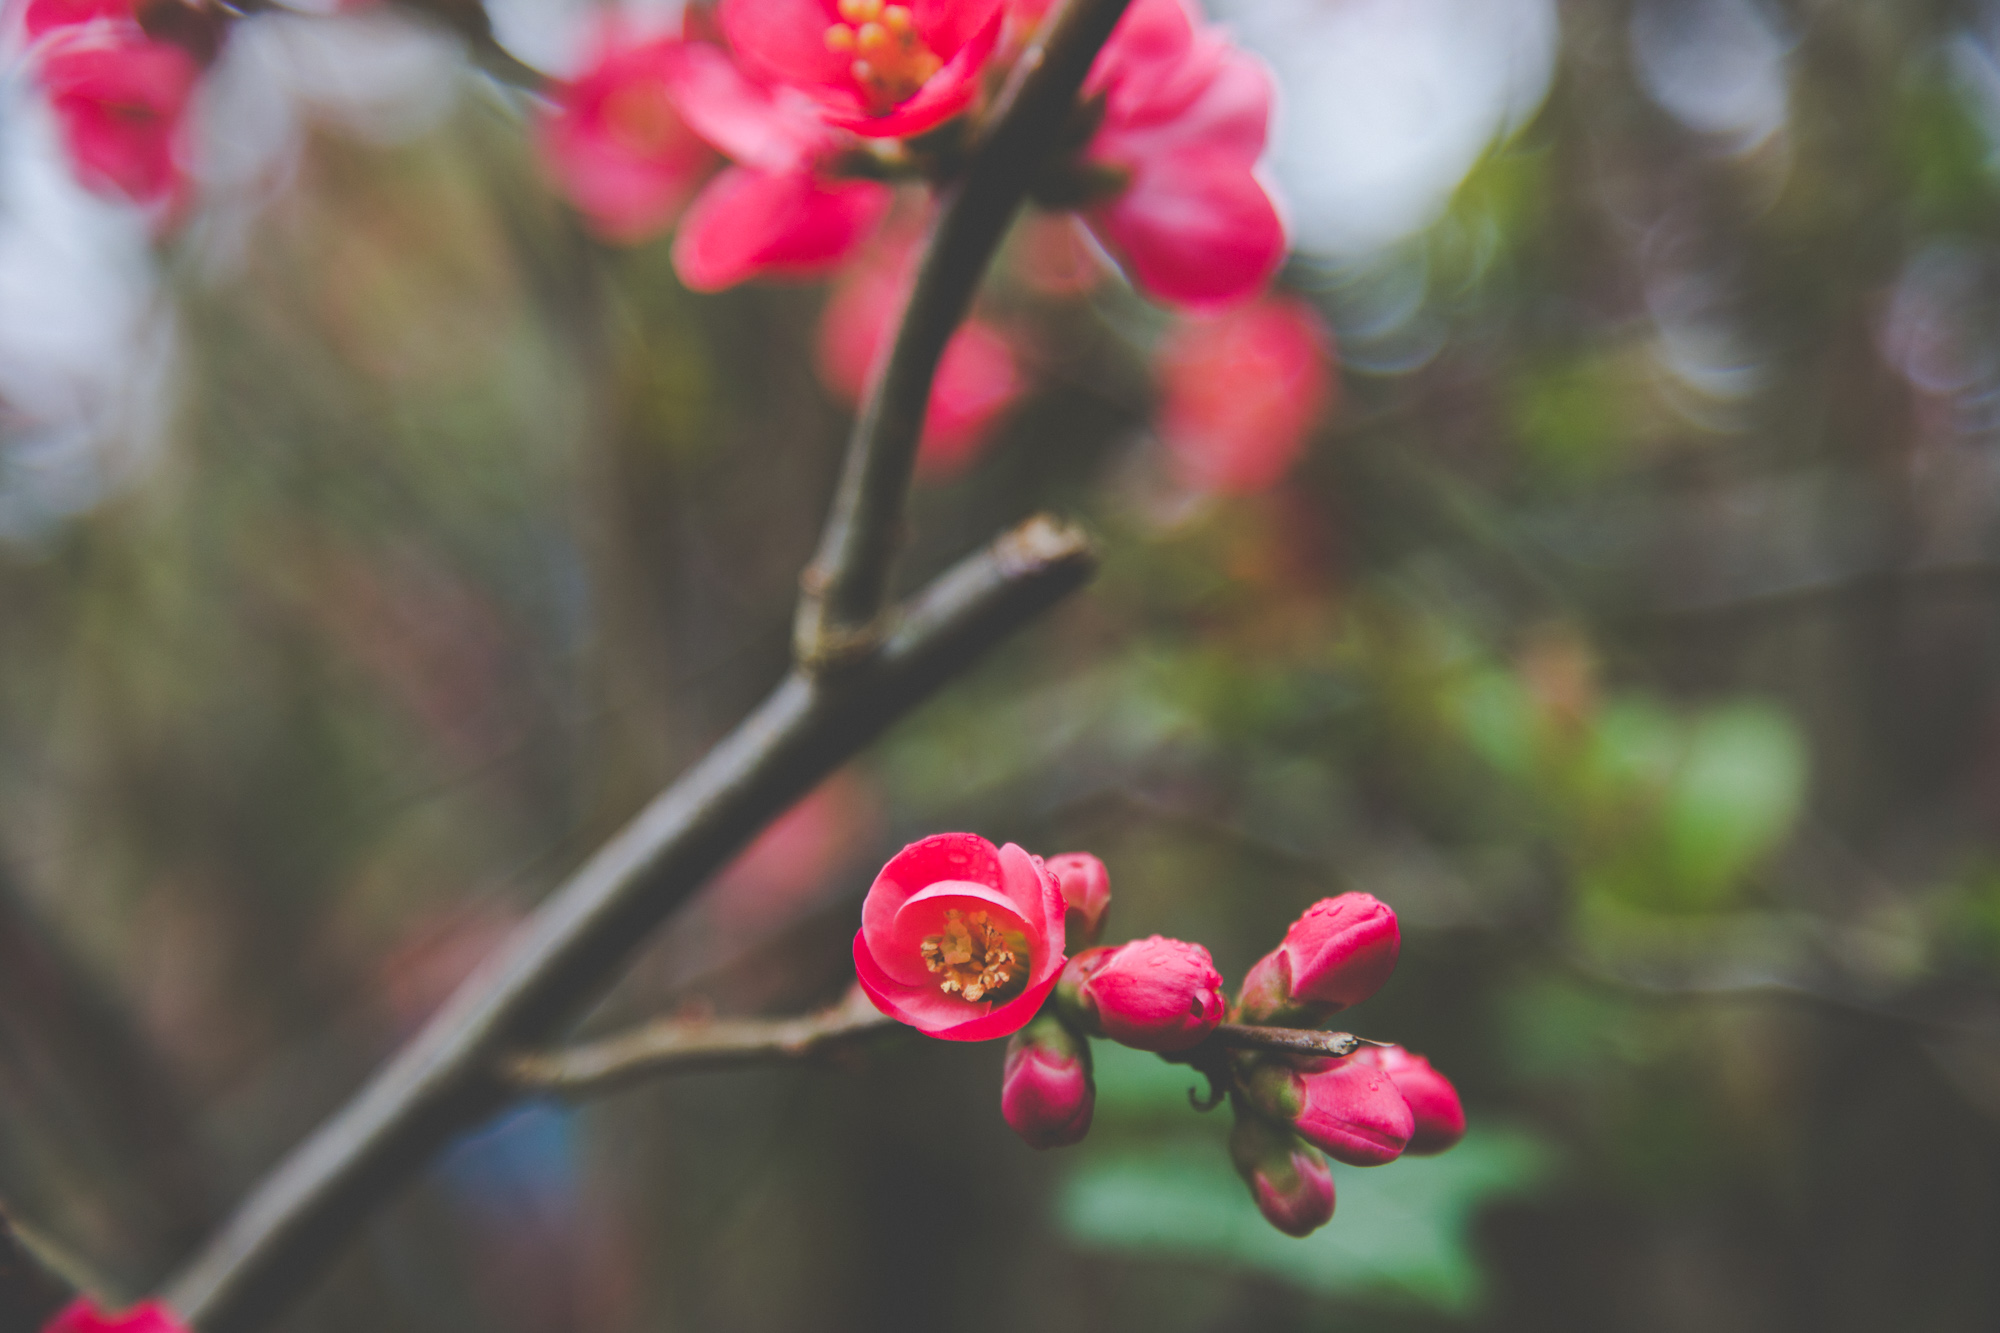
(965, 941)
(773, 134)
(120, 76)
(816, 104)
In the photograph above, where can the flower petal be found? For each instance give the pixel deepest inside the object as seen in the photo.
(961, 857)
(949, 26)
(771, 129)
(944, 94)
(782, 224)
(785, 39)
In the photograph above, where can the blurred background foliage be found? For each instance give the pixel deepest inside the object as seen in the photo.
(1629, 627)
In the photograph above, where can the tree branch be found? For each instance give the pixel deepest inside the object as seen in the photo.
(679, 1046)
(448, 1077)
(843, 590)
(1287, 1041)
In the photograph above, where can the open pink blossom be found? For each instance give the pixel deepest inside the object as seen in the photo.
(1347, 1108)
(1287, 1176)
(1337, 954)
(120, 98)
(1434, 1104)
(883, 70)
(959, 939)
(1154, 994)
(1241, 390)
(614, 142)
(1046, 1093)
(81, 1316)
(1086, 888)
(780, 211)
(977, 378)
(1185, 117)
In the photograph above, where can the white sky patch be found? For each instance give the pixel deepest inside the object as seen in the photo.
(1387, 104)
(1717, 66)
(86, 340)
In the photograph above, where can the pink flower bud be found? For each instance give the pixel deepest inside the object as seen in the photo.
(81, 1316)
(1086, 887)
(1440, 1120)
(1046, 1093)
(960, 939)
(1339, 953)
(1287, 1176)
(1348, 1109)
(1155, 994)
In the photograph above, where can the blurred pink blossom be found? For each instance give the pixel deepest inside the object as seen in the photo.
(977, 378)
(614, 142)
(883, 70)
(779, 211)
(1178, 199)
(82, 1316)
(1241, 391)
(120, 98)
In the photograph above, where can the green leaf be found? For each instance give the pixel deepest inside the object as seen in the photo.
(1399, 1231)
(1734, 798)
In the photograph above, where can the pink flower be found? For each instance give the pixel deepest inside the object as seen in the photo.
(960, 940)
(1179, 201)
(1440, 1119)
(1086, 887)
(976, 378)
(780, 211)
(41, 16)
(81, 1316)
(1155, 994)
(614, 143)
(1046, 1093)
(886, 70)
(1241, 391)
(1349, 1109)
(119, 97)
(1339, 953)
(1287, 1176)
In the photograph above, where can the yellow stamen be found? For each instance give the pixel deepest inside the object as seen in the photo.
(974, 956)
(892, 61)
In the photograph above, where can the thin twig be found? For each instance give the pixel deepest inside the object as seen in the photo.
(448, 1079)
(845, 587)
(1290, 1041)
(30, 1288)
(680, 1046)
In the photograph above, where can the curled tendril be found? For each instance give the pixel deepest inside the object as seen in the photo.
(1217, 1092)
